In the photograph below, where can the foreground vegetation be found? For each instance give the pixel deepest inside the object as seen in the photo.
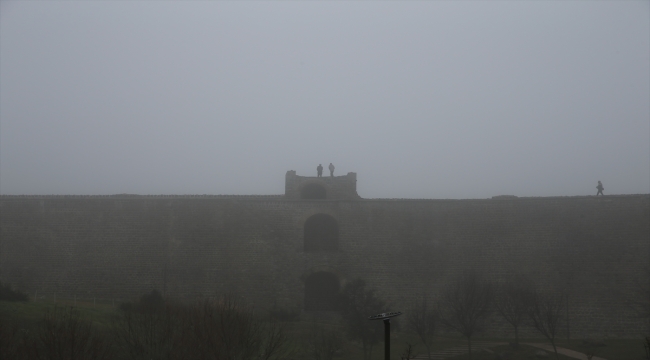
(225, 328)
(24, 324)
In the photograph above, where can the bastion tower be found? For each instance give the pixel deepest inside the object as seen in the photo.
(321, 188)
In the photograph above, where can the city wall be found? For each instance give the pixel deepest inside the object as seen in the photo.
(121, 246)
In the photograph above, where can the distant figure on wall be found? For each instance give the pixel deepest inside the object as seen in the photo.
(319, 170)
(600, 189)
(331, 170)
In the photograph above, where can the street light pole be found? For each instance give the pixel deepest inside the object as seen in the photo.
(386, 318)
(387, 339)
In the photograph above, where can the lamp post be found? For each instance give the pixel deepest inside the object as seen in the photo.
(386, 317)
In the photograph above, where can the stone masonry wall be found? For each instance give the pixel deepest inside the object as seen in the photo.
(119, 247)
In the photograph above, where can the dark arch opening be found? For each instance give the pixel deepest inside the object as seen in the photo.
(313, 191)
(321, 233)
(321, 292)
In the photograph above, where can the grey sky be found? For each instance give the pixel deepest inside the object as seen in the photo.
(433, 99)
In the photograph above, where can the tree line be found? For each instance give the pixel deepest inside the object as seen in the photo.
(151, 329)
(225, 328)
(467, 303)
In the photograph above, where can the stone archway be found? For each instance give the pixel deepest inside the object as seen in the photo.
(321, 233)
(321, 292)
(313, 191)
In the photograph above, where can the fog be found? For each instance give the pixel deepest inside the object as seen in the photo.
(421, 99)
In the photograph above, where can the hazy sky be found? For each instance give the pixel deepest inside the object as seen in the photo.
(436, 99)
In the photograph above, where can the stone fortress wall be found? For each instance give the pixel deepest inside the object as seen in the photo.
(284, 250)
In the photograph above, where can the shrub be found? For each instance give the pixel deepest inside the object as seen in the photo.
(64, 334)
(8, 294)
(148, 334)
(12, 340)
(151, 302)
(211, 329)
(281, 314)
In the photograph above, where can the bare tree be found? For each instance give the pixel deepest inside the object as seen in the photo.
(408, 352)
(422, 319)
(545, 312)
(226, 329)
(275, 342)
(65, 335)
(511, 302)
(357, 304)
(211, 329)
(466, 304)
(147, 333)
(323, 344)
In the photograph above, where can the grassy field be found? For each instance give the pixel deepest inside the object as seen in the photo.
(29, 315)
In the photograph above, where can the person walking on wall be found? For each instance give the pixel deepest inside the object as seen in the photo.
(600, 189)
(319, 170)
(331, 170)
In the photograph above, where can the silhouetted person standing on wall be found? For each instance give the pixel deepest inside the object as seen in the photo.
(331, 170)
(600, 189)
(319, 170)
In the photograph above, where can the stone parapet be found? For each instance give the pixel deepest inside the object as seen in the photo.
(333, 187)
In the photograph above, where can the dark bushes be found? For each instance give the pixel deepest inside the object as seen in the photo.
(61, 334)
(150, 329)
(66, 336)
(284, 315)
(151, 302)
(211, 329)
(147, 334)
(8, 294)
(12, 344)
